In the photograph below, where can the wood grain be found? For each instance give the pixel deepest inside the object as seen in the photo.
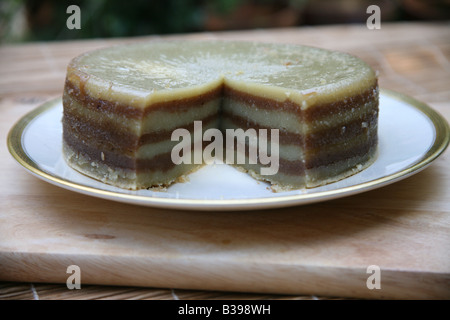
(319, 250)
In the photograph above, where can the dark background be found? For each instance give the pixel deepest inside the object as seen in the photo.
(39, 20)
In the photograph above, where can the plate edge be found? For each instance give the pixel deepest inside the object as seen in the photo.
(441, 142)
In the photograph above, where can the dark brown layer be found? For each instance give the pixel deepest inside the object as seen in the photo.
(329, 109)
(338, 134)
(79, 95)
(110, 135)
(323, 159)
(93, 153)
(167, 134)
(164, 162)
(314, 140)
(113, 144)
(261, 102)
(283, 136)
(297, 167)
(291, 167)
(132, 112)
(102, 134)
(312, 113)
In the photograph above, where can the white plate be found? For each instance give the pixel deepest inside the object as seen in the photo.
(411, 136)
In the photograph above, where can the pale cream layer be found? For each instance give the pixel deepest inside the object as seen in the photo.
(280, 181)
(291, 122)
(166, 121)
(296, 152)
(340, 170)
(151, 150)
(125, 178)
(152, 122)
(289, 152)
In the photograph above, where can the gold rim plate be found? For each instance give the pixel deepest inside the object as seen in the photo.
(438, 143)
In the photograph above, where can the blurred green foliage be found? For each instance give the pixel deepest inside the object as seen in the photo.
(46, 19)
(118, 18)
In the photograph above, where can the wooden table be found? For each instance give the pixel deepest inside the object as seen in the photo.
(412, 58)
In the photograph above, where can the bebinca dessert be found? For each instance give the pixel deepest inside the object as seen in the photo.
(122, 104)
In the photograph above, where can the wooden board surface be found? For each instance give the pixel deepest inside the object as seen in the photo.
(321, 250)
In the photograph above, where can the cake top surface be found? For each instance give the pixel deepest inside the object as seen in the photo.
(157, 68)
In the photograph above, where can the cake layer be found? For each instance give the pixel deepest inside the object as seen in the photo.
(290, 151)
(356, 137)
(105, 135)
(285, 179)
(291, 117)
(294, 174)
(317, 111)
(156, 156)
(285, 166)
(313, 140)
(123, 177)
(342, 169)
(128, 111)
(294, 155)
(356, 147)
(161, 162)
(153, 119)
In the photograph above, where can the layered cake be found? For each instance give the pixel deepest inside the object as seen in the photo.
(123, 104)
